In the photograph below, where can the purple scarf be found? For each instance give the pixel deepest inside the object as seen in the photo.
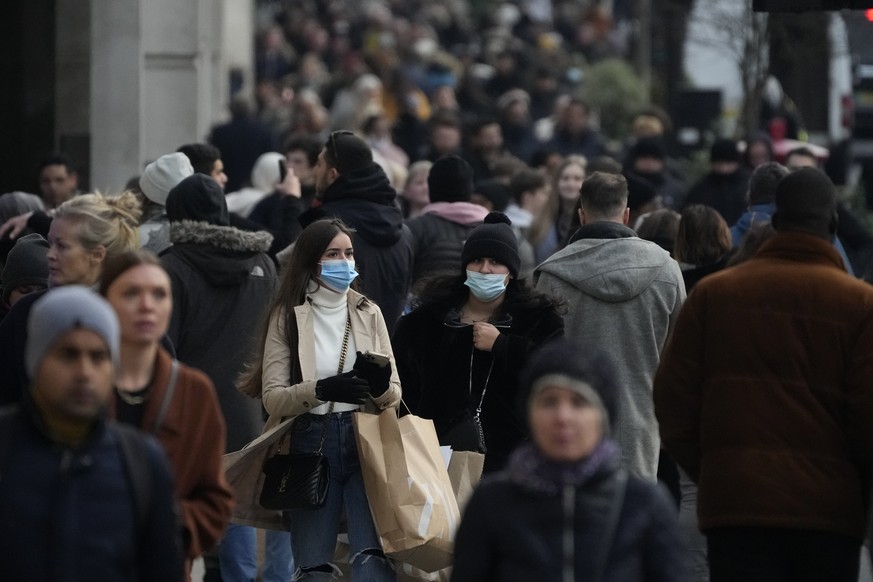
(529, 469)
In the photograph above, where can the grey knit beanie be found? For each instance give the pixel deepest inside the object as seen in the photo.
(26, 264)
(64, 309)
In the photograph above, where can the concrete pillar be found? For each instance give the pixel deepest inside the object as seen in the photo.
(159, 78)
(73, 84)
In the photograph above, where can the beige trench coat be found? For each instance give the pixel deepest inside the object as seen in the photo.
(284, 403)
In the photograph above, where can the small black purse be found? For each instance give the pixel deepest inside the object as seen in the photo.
(300, 480)
(295, 481)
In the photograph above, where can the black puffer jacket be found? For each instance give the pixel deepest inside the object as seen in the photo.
(223, 281)
(383, 244)
(515, 529)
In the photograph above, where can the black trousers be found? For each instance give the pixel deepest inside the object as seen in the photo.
(753, 554)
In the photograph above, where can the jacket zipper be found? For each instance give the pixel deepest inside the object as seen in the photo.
(569, 498)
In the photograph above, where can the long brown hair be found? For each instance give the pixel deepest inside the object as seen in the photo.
(703, 236)
(301, 268)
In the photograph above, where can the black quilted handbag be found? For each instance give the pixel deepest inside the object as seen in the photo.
(295, 481)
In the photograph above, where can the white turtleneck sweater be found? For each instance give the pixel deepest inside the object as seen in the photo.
(329, 314)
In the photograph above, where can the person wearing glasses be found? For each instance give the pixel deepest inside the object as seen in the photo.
(355, 189)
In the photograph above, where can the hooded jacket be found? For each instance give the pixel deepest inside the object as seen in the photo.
(222, 282)
(623, 294)
(365, 201)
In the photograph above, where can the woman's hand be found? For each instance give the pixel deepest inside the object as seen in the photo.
(484, 336)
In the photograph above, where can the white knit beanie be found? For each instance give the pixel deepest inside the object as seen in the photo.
(163, 174)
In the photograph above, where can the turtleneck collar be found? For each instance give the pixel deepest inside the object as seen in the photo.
(325, 298)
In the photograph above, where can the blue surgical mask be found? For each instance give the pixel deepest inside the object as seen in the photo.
(486, 286)
(337, 275)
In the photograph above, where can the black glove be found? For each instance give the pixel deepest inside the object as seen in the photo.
(342, 388)
(378, 377)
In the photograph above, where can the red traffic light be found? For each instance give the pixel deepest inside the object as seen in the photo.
(869, 14)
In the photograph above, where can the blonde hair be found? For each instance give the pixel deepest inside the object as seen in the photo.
(108, 221)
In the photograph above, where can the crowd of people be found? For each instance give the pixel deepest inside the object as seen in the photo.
(443, 231)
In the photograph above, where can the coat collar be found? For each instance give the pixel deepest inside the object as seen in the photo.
(802, 248)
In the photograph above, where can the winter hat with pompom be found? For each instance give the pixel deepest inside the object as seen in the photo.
(493, 239)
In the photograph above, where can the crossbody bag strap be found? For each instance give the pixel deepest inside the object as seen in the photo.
(168, 396)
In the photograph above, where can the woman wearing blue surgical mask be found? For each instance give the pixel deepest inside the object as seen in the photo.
(301, 373)
(460, 350)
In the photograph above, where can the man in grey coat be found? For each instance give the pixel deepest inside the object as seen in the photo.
(623, 293)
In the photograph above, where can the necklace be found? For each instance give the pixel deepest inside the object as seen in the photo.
(136, 397)
(133, 398)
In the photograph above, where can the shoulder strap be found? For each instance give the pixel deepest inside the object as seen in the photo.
(168, 396)
(136, 456)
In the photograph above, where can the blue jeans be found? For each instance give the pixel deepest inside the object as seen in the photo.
(278, 560)
(695, 541)
(238, 554)
(314, 531)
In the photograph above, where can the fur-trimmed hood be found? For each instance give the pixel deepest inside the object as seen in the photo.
(224, 237)
(225, 255)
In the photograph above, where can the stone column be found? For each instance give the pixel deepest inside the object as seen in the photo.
(158, 79)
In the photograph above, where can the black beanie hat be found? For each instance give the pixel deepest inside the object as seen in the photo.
(576, 363)
(724, 150)
(450, 180)
(198, 197)
(493, 239)
(26, 264)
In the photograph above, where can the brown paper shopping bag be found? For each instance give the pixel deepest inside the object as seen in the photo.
(465, 470)
(410, 494)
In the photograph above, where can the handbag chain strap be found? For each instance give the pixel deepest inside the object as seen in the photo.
(484, 388)
(342, 364)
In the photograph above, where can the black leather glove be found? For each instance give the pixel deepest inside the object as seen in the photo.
(378, 377)
(342, 388)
